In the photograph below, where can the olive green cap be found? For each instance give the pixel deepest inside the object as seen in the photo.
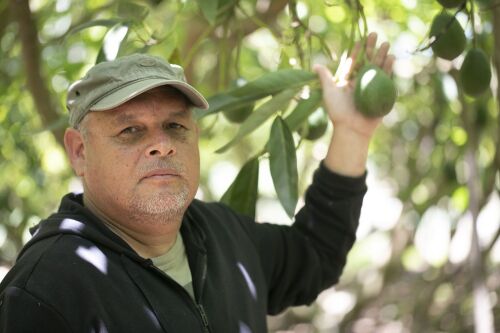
(112, 83)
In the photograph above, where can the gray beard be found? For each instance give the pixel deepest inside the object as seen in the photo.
(164, 208)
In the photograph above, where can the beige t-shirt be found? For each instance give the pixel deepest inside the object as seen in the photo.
(175, 264)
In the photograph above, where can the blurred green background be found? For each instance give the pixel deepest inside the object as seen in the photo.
(428, 251)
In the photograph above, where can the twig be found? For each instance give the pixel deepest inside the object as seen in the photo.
(472, 21)
(194, 48)
(256, 20)
(296, 24)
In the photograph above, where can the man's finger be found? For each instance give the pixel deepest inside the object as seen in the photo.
(341, 68)
(371, 41)
(344, 71)
(388, 64)
(355, 51)
(355, 61)
(379, 58)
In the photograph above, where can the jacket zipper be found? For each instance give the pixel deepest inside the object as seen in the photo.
(200, 309)
(204, 317)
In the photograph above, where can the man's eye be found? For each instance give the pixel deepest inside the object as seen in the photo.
(175, 126)
(130, 130)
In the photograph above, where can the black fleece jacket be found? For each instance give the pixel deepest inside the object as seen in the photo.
(75, 275)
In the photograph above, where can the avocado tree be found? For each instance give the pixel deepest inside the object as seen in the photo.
(427, 253)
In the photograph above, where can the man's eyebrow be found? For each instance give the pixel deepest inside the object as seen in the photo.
(183, 113)
(124, 118)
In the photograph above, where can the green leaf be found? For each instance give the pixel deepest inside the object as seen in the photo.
(283, 165)
(242, 194)
(101, 56)
(266, 85)
(175, 57)
(112, 43)
(260, 115)
(209, 10)
(304, 108)
(132, 10)
(95, 23)
(284, 61)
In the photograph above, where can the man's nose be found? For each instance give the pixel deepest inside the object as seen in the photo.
(161, 146)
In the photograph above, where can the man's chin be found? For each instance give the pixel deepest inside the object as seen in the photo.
(167, 204)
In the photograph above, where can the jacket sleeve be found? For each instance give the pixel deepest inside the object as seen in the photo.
(22, 312)
(301, 261)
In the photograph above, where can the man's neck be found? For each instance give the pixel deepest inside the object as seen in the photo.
(156, 242)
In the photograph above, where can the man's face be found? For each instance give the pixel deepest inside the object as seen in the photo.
(142, 158)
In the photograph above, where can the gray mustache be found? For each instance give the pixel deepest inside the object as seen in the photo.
(162, 164)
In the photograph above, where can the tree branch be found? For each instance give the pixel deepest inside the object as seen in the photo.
(496, 61)
(198, 29)
(36, 83)
(268, 17)
(4, 18)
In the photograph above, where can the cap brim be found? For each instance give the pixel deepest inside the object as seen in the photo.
(126, 93)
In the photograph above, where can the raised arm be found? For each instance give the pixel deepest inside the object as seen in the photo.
(352, 133)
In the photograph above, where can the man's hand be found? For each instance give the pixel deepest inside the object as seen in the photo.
(352, 132)
(338, 90)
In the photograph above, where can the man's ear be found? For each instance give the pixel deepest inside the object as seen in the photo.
(73, 142)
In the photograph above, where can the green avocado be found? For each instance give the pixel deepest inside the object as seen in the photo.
(449, 36)
(475, 73)
(316, 125)
(238, 115)
(374, 92)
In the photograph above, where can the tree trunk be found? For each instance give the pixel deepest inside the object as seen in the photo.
(36, 83)
(496, 62)
(483, 314)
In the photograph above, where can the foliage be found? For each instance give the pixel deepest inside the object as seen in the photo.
(437, 151)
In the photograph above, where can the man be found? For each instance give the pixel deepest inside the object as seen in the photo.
(137, 253)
